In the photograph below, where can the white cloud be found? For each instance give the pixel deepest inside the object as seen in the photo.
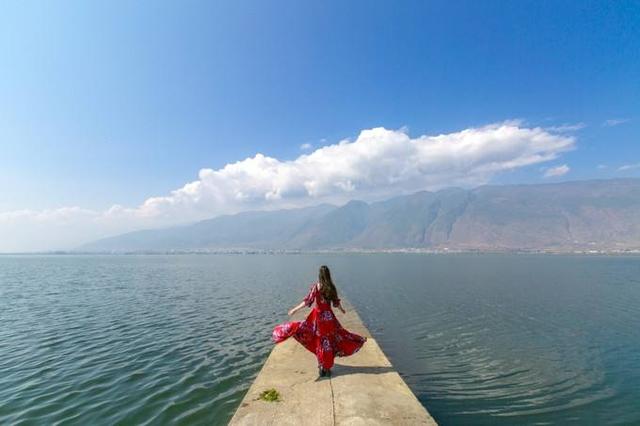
(614, 122)
(557, 171)
(379, 163)
(626, 167)
(565, 128)
(306, 146)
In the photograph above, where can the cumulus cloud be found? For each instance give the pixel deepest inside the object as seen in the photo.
(557, 171)
(614, 122)
(306, 146)
(378, 163)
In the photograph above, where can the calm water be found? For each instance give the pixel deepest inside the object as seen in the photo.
(481, 339)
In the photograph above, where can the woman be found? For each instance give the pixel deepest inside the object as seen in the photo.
(321, 333)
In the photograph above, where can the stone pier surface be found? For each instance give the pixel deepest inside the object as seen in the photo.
(364, 389)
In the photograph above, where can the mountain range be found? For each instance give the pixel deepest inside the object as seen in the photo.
(568, 216)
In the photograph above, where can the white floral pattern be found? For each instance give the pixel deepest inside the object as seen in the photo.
(326, 315)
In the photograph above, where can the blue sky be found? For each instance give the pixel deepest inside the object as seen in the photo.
(111, 103)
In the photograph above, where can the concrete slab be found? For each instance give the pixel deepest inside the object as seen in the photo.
(364, 388)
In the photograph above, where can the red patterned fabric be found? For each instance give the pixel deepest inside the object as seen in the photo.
(320, 333)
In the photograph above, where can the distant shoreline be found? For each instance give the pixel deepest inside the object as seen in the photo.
(590, 252)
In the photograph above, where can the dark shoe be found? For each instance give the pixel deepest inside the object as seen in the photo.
(321, 372)
(327, 373)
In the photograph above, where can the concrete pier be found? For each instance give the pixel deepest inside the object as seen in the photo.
(364, 389)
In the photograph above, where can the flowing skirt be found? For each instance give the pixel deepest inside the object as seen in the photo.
(321, 334)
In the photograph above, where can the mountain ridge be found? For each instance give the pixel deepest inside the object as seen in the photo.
(566, 216)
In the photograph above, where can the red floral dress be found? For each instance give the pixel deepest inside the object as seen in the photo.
(320, 333)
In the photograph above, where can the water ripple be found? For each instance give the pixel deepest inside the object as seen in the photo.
(178, 339)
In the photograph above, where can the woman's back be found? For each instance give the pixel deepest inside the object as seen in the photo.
(316, 295)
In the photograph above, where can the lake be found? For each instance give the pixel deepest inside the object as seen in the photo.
(480, 339)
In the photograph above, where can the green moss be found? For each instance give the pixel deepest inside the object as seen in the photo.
(270, 395)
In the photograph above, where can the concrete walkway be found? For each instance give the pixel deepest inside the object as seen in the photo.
(364, 388)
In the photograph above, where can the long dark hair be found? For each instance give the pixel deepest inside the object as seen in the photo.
(327, 288)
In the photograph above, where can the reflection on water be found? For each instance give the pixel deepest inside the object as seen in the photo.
(481, 339)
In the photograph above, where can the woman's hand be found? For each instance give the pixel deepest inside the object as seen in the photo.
(296, 308)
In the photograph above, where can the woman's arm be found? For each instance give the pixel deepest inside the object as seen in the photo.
(307, 301)
(297, 308)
